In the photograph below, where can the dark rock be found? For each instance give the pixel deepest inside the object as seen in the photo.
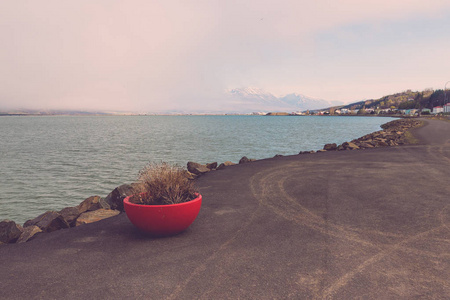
(225, 164)
(278, 155)
(393, 134)
(321, 150)
(96, 215)
(212, 166)
(70, 214)
(307, 152)
(366, 145)
(350, 146)
(330, 147)
(9, 231)
(197, 168)
(29, 233)
(48, 222)
(115, 198)
(340, 148)
(92, 203)
(245, 160)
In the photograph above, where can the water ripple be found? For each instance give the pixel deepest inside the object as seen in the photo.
(48, 163)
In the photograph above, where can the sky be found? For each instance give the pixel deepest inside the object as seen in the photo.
(145, 56)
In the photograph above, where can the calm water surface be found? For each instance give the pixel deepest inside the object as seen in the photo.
(48, 163)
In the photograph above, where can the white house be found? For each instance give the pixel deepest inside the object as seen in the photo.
(447, 108)
(438, 109)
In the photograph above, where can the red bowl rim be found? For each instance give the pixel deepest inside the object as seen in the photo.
(126, 200)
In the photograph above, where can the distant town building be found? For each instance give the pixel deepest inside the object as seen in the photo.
(438, 109)
(447, 108)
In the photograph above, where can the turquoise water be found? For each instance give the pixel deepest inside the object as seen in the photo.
(48, 163)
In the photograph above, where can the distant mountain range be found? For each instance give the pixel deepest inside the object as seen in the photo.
(255, 99)
(234, 101)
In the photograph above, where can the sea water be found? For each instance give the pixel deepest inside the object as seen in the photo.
(50, 162)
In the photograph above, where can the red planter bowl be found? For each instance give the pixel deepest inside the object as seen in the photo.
(163, 220)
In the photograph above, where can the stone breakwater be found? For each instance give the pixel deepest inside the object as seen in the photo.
(393, 134)
(95, 208)
(91, 210)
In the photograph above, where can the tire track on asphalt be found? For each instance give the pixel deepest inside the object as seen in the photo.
(271, 186)
(442, 217)
(203, 266)
(343, 280)
(419, 166)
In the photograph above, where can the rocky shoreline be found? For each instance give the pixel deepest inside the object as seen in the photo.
(95, 208)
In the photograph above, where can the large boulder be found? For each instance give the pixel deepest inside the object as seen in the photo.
(366, 145)
(96, 215)
(350, 145)
(48, 222)
(225, 164)
(305, 152)
(330, 147)
(212, 166)
(70, 214)
(92, 203)
(115, 198)
(197, 168)
(9, 231)
(245, 160)
(28, 233)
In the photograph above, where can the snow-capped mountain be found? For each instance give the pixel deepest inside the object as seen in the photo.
(257, 99)
(254, 94)
(305, 102)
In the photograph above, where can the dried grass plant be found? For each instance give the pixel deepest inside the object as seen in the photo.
(162, 184)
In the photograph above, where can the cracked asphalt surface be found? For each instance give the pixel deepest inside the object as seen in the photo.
(369, 224)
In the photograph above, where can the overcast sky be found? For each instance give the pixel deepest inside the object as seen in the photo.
(135, 55)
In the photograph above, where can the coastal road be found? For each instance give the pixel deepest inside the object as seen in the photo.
(369, 224)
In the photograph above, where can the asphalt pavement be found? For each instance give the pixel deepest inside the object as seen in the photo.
(363, 224)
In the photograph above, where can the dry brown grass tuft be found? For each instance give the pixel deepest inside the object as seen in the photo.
(161, 184)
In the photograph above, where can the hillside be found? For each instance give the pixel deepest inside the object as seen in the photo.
(404, 100)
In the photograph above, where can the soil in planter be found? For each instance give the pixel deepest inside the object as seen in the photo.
(152, 199)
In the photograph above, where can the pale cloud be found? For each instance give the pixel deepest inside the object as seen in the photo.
(153, 55)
